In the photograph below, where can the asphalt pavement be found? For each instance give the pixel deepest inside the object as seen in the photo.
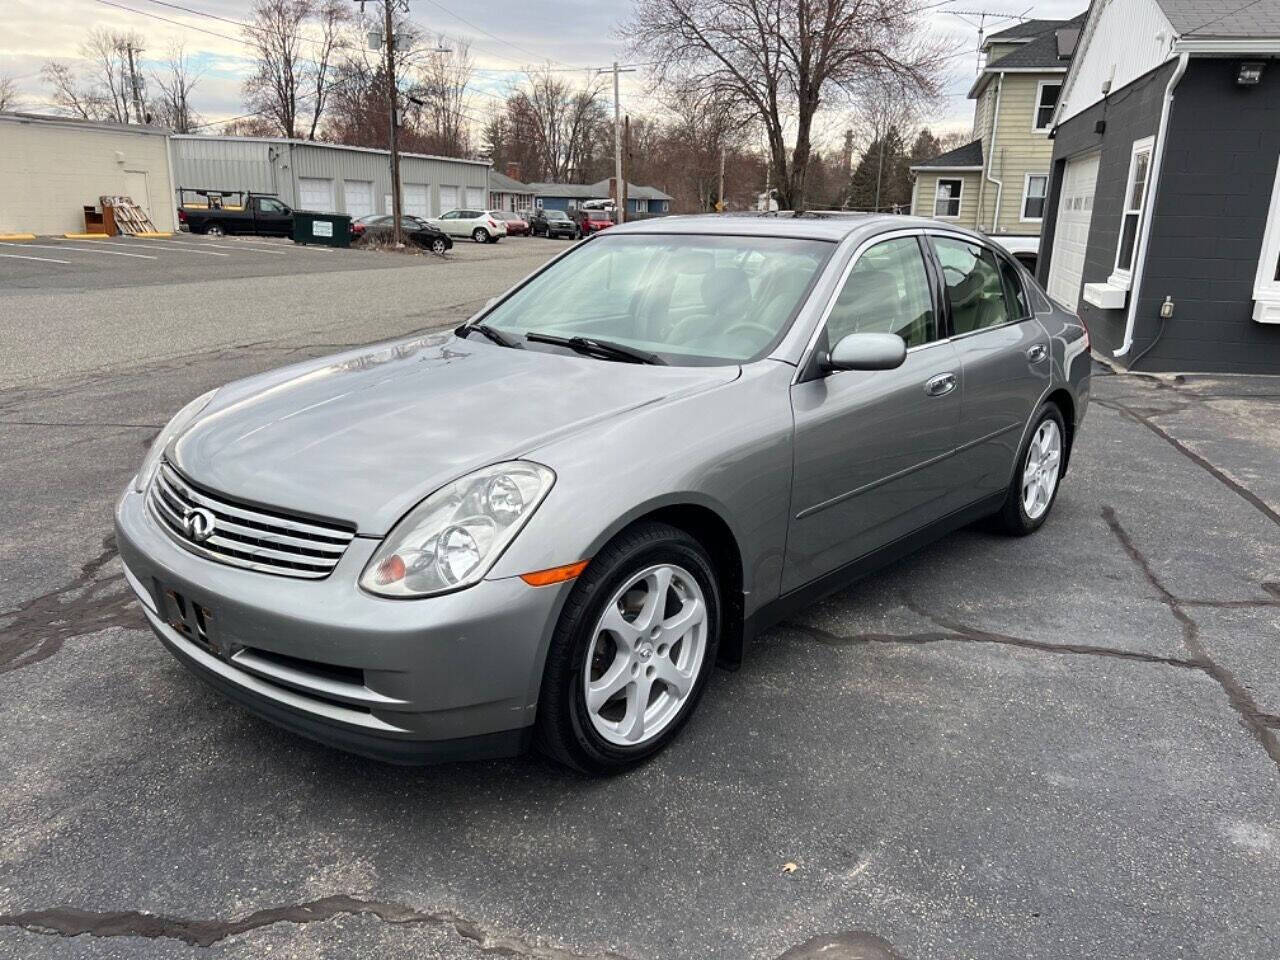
(1061, 746)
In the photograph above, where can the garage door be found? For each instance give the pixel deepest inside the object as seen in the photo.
(316, 194)
(448, 199)
(475, 198)
(359, 194)
(416, 202)
(1071, 234)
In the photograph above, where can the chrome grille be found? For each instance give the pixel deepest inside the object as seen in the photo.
(244, 536)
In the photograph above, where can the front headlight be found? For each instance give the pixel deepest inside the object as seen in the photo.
(452, 538)
(181, 420)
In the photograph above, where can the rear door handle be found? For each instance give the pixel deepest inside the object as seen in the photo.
(1037, 353)
(940, 385)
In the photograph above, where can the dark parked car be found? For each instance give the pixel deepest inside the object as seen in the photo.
(416, 231)
(517, 226)
(553, 223)
(220, 213)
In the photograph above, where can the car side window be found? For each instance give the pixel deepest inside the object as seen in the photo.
(271, 206)
(1014, 290)
(974, 285)
(887, 291)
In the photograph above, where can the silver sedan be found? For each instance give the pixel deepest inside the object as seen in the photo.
(548, 525)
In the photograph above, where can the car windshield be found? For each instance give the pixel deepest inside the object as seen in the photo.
(556, 215)
(693, 300)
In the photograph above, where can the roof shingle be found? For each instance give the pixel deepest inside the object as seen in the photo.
(1218, 18)
(969, 155)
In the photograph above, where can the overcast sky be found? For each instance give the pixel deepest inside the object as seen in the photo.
(504, 35)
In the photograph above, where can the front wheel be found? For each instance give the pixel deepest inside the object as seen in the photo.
(632, 653)
(439, 245)
(215, 230)
(480, 235)
(1034, 487)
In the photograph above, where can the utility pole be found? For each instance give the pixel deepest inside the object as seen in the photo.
(621, 209)
(720, 189)
(133, 83)
(626, 155)
(389, 45)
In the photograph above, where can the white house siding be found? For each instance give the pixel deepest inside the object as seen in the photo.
(276, 166)
(51, 169)
(1120, 42)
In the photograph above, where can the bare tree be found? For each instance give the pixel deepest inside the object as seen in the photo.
(175, 83)
(9, 99)
(294, 64)
(565, 123)
(441, 90)
(108, 84)
(331, 17)
(779, 59)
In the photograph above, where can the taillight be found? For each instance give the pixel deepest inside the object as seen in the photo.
(182, 215)
(492, 224)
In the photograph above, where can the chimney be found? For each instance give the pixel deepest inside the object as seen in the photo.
(513, 170)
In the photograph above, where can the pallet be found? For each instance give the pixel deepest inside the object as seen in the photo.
(129, 218)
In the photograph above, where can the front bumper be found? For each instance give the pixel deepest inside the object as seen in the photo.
(402, 680)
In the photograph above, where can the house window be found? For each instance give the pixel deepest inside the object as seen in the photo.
(946, 200)
(1135, 195)
(1034, 189)
(1046, 99)
(1266, 288)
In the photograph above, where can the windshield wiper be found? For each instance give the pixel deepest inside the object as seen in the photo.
(493, 333)
(590, 346)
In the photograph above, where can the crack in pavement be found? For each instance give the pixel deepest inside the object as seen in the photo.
(1251, 718)
(960, 632)
(71, 922)
(89, 603)
(1200, 461)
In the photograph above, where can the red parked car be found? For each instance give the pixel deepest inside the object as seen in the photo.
(517, 226)
(592, 221)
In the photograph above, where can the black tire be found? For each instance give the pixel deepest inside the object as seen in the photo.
(480, 235)
(1013, 518)
(563, 730)
(439, 245)
(214, 230)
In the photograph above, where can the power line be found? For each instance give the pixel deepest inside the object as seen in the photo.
(494, 36)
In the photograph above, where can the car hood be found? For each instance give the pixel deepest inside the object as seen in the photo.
(364, 436)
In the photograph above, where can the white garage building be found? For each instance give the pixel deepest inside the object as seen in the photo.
(326, 177)
(51, 168)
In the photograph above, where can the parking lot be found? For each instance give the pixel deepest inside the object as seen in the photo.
(1062, 746)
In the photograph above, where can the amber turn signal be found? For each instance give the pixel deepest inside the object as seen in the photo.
(544, 578)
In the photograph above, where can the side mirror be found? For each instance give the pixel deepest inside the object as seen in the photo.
(867, 351)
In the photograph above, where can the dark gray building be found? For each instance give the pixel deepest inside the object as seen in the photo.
(1162, 226)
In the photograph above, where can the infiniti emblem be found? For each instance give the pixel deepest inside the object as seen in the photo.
(199, 524)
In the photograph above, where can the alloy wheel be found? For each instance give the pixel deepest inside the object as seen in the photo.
(214, 231)
(438, 246)
(645, 656)
(1040, 472)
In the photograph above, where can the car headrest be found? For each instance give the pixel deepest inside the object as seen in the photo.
(725, 288)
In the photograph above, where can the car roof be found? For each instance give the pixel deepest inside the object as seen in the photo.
(806, 225)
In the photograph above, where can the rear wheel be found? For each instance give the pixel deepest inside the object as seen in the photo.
(632, 652)
(215, 230)
(480, 235)
(1034, 487)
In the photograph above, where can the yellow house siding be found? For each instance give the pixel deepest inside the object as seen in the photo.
(927, 188)
(1016, 151)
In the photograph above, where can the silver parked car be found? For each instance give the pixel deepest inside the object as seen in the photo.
(548, 525)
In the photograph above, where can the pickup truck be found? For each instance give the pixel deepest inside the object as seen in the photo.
(217, 213)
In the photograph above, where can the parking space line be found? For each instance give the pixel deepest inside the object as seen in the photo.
(207, 253)
(225, 246)
(18, 256)
(109, 253)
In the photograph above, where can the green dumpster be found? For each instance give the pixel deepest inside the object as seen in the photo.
(326, 229)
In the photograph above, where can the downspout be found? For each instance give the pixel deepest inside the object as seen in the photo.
(995, 123)
(1149, 205)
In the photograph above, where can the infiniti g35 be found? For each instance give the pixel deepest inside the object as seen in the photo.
(548, 525)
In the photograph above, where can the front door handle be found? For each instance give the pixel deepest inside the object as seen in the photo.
(940, 385)
(1037, 353)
